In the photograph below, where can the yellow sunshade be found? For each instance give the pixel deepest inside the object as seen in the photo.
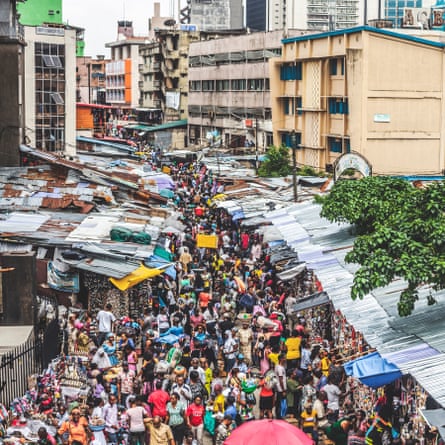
(137, 276)
(208, 241)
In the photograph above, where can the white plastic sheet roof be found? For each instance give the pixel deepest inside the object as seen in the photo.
(93, 228)
(416, 344)
(23, 222)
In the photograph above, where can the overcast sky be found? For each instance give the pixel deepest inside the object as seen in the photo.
(100, 17)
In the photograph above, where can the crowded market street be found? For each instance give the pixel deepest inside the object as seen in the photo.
(219, 342)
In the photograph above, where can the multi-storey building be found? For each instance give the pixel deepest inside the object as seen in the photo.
(363, 90)
(50, 87)
(229, 94)
(332, 14)
(216, 15)
(151, 96)
(320, 15)
(12, 47)
(90, 79)
(122, 72)
(48, 12)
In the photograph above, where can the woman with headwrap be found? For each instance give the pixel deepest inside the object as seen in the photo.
(109, 346)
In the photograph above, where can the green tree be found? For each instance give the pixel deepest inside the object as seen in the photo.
(276, 163)
(401, 234)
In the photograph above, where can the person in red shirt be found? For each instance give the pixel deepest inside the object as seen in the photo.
(158, 400)
(195, 418)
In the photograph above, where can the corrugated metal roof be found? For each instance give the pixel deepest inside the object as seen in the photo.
(23, 222)
(419, 336)
(110, 268)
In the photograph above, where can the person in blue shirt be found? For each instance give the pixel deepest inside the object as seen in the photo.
(230, 407)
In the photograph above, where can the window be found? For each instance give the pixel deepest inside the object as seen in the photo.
(51, 61)
(57, 98)
(299, 105)
(338, 106)
(335, 145)
(291, 71)
(255, 84)
(239, 84)
(195, 85)
(286, 139)
(287, 107)
(208, 85)
(223, 85)
(333, 67)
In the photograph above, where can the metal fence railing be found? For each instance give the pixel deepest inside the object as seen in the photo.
(16, 366)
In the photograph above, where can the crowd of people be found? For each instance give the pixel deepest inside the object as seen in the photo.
(216, 346)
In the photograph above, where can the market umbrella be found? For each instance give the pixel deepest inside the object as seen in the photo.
(167, 193)
(268, 432)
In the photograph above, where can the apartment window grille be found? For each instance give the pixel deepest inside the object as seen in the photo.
(49, 62)
(338, 106)
(291, 71)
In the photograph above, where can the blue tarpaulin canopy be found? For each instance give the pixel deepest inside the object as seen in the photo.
(373, 370)
(158, 262)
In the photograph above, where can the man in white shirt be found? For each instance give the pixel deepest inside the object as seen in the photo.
(111, 420)
(184, 391)
(105, 321)
(333, 394)
(281, 386)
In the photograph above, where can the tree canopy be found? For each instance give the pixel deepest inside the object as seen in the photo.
(400, 234)
(276, 163)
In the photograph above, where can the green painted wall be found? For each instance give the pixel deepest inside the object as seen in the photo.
(36, 12)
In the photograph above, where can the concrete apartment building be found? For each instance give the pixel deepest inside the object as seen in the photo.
(315, 15)
(12, 113)
(216, 15)
(90, 80)
(50, 87)
(164, 69)
(229, 96)
(372, 91)
(122, 72)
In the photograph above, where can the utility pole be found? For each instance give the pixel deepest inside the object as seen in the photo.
(256, 145)
(293, 141)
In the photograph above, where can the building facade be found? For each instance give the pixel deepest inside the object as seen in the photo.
(229, 95)
(122, 71)
(216, 15)
(50, 87)
(164, 81)
(358, 90)
(12, 113)
(36, 12)
(90, 80)
(313, 15)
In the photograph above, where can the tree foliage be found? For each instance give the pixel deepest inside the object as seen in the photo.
(401, 234)
(276, 163)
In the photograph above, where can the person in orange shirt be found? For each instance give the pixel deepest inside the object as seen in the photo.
(204, 298)
(76, 427)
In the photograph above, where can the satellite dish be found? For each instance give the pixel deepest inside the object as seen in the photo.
(170, 22)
